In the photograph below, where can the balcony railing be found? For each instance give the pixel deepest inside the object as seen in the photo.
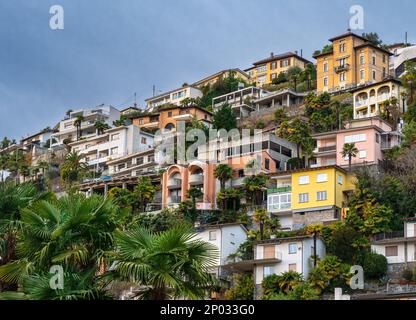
(275, 255)
(360, 103)
(174, 183)
(174, 199)
(388, 235)
(276, 207)
(327, 148)
(196, 179)
(341, 68)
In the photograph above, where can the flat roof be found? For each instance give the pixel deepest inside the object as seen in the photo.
(219, 73)
(284, 239)
(376, 84)
(283, 173)
(169, 92)
(221, 225)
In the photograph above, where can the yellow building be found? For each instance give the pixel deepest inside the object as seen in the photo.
(210, 80)
(351, 62)
(311, 195)
(265, 70)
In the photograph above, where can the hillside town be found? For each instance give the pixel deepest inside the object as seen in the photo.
(324, 179)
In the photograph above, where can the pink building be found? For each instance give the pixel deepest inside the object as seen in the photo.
(371, 136)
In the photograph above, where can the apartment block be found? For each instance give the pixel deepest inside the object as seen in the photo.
(226, 238)
(371, 100)
(399, 248)
(174, 97)
(371, 136)
(276, 256)
(67, 131)
(285, 98)
(309, 196)
(221, 75)
(241, 101)
(167, 118)
(112, 144)
(352, 61)
(264, 71)
(263, 153)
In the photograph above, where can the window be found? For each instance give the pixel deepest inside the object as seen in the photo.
(285, 63)
(377, 138)
(362, 74)
(139, 160)
(303, 197)
(170, 114)
(272, 76)
(384, 58)
(293, 248)
(342, 62)
(321, 196)
(303, 180)
(267, 164)
(269, 251)
(143, 140)
(115, 136)
(268, 271)
(67, 125)
(374, 60)
(279, 201)
(325, 66)
(292, 266)
(391, 251)
(342, 76)
(374, 75)
(151, 158)
(273, 65)
(261, 68)
(325, 82)
(141, 121)
(212, 235)
(342, 47)
(355, 138)
(384, 72)
(321, 177)
(362, 154)
(261, 79)
(339, 179)
(114, 150)
(361, 59)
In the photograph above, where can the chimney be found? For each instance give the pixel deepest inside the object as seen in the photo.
(296, 52)
(271, 54)
(301, 53)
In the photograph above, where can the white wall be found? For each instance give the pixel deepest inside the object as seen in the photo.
(381, 249)
(409, 228)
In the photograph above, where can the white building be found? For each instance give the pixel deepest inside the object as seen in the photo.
(172, 97)
(398, 248)
(276, 256)
(114, 143)
(226, 237)
(67, 131)
(241, 101)
(399, 59)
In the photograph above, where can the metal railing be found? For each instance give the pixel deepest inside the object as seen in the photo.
(388, 235)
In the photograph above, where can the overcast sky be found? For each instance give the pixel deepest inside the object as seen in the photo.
(110, 49)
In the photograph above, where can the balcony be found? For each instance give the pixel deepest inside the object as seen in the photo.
(237, 182)
(174, 199)
(196, 179)
(183, 116)
(341, 68)
(279, 201)
(360, 103)
(388, 235)
(246, 263)
(174, 183)
(326, 149)
(270, 257)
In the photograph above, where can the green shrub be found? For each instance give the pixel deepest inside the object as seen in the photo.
(270, 285)
(304, 291)
(374, 265)
(407, 274)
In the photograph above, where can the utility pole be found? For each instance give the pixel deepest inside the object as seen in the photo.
(405, 39)
(154, 90)
(135, 96)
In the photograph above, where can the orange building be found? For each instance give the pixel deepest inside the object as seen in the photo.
(166, 118)
(352, 61)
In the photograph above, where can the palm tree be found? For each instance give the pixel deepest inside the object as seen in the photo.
(73, 168)
(223, 172)
(5, 143)
(73, 232)
(254, 186)
(194, 193)
(288, 280)
(349, 150)
(120, 122)
(170, 264)
(101, 126)
(261, 217)
(77, 123)
(144, 192)
(13, 198)
(315, 230)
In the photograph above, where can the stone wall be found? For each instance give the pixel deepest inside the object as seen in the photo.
(320, 216)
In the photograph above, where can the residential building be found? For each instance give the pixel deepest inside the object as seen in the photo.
(267, 69)
(226, 238)
(399, 248)
(210, 80)
(166, 118)
(371, 100)
(309, 196)
(276, 256)
(241, 101)
(352, 61)
(371, 136)
(67, 131)
(129, 110)
(174, 97)
(40, 139)
(400, 56)
(262, 153)
(285, 98)
(133, 165)
(114, 143)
